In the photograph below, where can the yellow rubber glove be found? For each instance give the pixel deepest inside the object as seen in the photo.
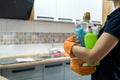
(68, 44)
(77, 66)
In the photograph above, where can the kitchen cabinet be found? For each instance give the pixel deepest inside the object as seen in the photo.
(24, 73)
(92, 6)
(88, 77)
(74, 9)
(44, 9)
(69, 74)
(107, 8)
(37, 78)
(67, 10)
(0, 72)
(54, 71)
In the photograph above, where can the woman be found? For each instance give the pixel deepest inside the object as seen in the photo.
(106, 49)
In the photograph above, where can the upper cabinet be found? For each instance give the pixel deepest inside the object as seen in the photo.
(45, 9)
(107, 9)
(67, 10)
(92, 6)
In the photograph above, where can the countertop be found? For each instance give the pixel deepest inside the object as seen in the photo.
(2, 78)
(29, 63)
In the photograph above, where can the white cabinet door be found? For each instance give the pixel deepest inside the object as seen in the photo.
(36, 78)
(65, 10)
(0, 72)
(95, 9)
(92, 6)
(24, 73)
(44, 9)
(88, 77)
(54, 71)
(69, 74)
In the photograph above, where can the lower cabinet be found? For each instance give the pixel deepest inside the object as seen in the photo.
(0, 72)
(86, 77)
(69, 74)
(54, 71)
(24, 73)
(37, 78)
(48, 71)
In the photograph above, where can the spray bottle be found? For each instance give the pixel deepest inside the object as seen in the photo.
(80, 33)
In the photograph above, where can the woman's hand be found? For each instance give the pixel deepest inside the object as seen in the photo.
(68, 44)
(78, 66)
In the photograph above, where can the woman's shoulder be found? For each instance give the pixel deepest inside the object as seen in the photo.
(115, 13)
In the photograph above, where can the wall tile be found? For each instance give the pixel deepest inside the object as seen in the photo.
(18, 38)
(25, 37)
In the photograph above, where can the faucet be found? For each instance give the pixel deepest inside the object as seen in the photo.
(53, 43)
(53, 40)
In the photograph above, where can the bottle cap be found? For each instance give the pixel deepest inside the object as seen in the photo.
(89, 27)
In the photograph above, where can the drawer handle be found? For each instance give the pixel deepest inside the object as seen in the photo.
(67, 63)
(23, 70)
(55, 65)
(44, 17)
(64, 19)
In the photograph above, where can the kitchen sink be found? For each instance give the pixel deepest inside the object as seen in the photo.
(8, 61)
(19, 60)
(25, 59)
(42, 57)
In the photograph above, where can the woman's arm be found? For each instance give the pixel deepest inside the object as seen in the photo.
(103, 46)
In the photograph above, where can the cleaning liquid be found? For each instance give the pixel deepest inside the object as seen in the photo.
(80, 33)
(90, 39)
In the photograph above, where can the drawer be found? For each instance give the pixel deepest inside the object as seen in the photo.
(70, 74)
(23, 72)
(54, 71)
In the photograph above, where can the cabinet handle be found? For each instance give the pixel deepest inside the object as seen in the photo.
(45, 18)
(96, 22)
(64, 19)
(67, 63)
(55, 65)
(22, 70)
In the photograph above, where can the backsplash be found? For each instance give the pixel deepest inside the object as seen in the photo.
(17, 38)
(32, 37)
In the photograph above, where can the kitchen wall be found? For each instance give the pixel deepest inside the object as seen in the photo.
(30, 37)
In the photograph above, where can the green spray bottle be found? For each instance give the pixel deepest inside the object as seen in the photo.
(90, 39)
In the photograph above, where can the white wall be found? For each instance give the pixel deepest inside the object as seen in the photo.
(10, 25)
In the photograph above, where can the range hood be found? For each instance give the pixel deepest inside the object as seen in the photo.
(16, 9)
